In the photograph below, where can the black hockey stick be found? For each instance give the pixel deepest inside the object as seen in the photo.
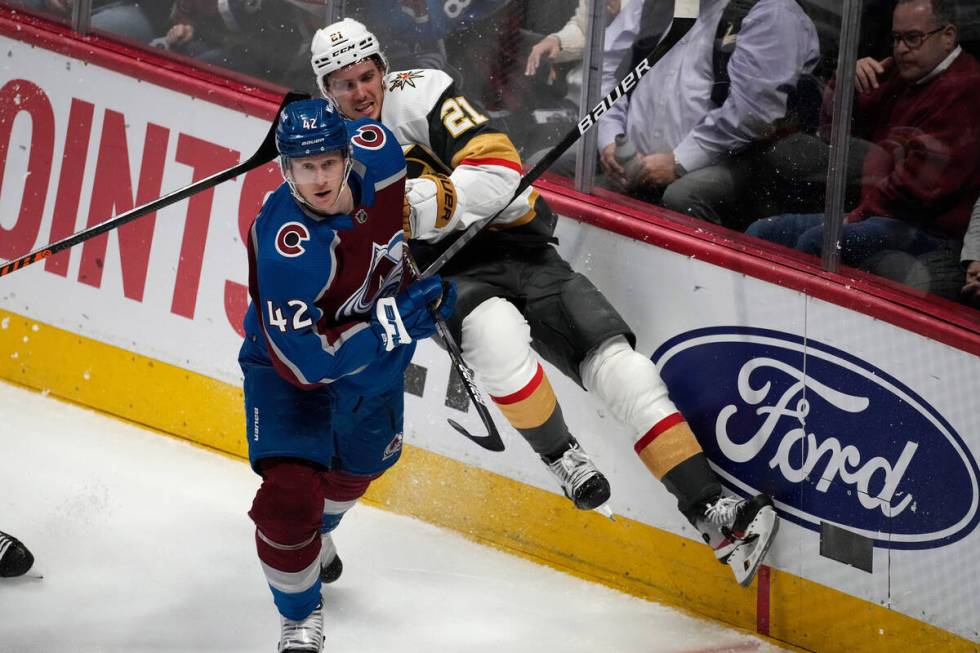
(266, 152)
(491, 441)
(685, 13)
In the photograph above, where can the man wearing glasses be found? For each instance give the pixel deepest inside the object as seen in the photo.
(915, 125)
(923, 37)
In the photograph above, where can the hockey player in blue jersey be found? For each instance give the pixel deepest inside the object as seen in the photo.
(332, 325)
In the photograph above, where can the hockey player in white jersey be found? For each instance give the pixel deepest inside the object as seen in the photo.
(519, 299)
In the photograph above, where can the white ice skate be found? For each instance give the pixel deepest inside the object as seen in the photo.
(303, 636)
(579, 479)
(740, 531)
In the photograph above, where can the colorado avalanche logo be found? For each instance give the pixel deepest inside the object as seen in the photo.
(290, 239)
(394, 447)
(369, 137)
(383, 278)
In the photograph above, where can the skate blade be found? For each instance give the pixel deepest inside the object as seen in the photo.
(605, 511)
(746, 558)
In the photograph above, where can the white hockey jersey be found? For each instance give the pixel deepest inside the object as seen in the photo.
(442, 133)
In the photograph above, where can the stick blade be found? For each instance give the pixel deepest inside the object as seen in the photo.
(491, 441)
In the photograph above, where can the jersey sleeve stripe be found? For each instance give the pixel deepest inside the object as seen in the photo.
(384, 183)
(492, 147)
(287, 369)
(491, 161)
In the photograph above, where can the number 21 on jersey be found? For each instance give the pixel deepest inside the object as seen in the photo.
(458, 115)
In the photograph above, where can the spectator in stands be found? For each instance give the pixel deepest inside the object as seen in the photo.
(921, 173)
(695, 141)
(553, 75)
(568, 44)
(262, 39)
(970, 259)
(415, 28)
(125, 18)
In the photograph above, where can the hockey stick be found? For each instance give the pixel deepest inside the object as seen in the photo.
(685, 13)
(265, 153)
(491, 441)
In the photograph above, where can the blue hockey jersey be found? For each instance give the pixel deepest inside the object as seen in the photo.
(314, 280)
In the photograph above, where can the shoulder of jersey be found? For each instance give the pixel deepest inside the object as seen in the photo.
(284, 232)
(279, 209)
(412, 93)
(279, 206)
(375, 147)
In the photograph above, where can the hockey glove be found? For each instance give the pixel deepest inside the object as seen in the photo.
(409, 316)
(430, 207)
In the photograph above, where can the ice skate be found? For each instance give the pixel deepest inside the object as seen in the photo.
(15, 559)
(330, 565)
(579, 479)
(740, 532)
(302, 636)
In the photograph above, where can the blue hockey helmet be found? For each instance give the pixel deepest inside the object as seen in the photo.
(311, 127)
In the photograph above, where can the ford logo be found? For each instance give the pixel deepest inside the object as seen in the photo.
(829, 436)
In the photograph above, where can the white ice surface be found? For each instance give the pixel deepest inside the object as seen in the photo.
(144, 545)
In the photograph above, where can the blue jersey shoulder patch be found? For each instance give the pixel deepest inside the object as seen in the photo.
(378, 158)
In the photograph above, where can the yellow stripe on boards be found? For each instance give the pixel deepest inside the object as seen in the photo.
(123, 383)
(627, 555)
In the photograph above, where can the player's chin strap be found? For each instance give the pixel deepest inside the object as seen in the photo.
(491, 441)
(685, 14)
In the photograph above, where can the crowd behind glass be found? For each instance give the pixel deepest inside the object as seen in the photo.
(732, 127)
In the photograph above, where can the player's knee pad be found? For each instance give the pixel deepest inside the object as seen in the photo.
(342, 486)
(341, 490)
(497, 345)
(287, 506)
(628, 383)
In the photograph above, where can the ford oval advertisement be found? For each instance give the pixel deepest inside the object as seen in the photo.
(830, 436)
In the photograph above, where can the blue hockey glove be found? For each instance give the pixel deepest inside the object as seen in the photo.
(399, 320)
(447, 305)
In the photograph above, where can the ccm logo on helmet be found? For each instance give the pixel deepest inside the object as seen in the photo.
(290, 239)
(369, 137)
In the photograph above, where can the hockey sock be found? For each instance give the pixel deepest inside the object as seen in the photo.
(534, 412)
(340, 492)
(629, 384)
(287, 514)
(672, 454)
(496, 343)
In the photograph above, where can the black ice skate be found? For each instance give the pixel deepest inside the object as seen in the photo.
(330, 565)
(15, 559)
(303, 636)
(579, 479)
(740, 532)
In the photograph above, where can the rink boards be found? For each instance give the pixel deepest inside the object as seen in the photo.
(863, 426)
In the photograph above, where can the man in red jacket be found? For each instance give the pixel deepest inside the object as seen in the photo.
(921, 173)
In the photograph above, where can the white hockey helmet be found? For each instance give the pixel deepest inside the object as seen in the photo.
(342, 44)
